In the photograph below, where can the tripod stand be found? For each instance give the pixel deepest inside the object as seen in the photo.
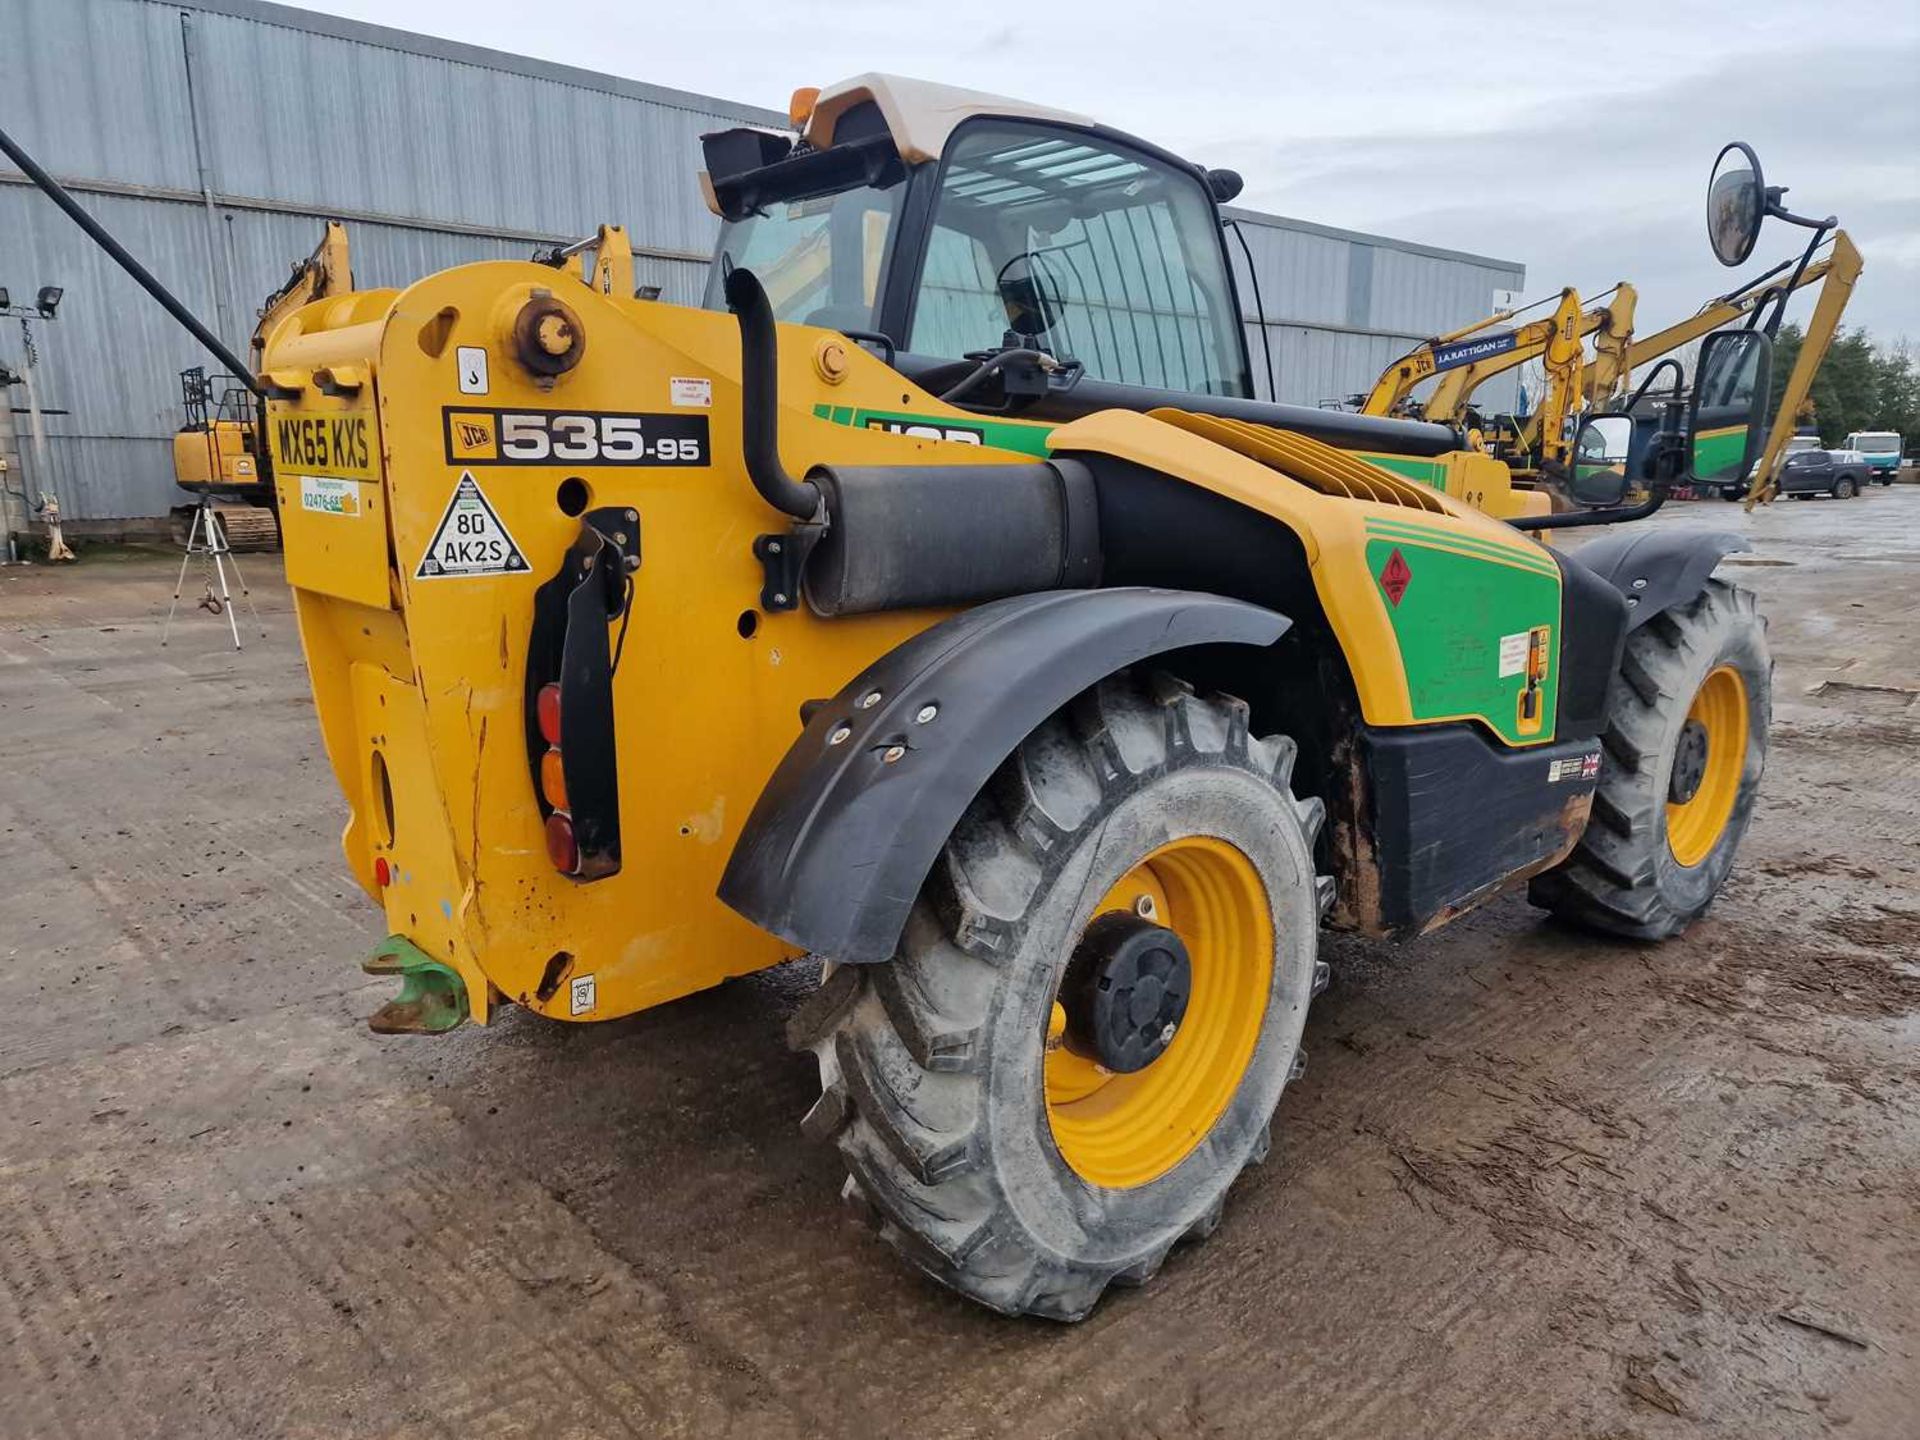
(207, 538)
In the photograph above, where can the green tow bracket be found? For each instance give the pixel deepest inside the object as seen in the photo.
(432, 998)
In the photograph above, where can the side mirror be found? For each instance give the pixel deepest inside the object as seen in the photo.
(1736, 203)
(1726, 417)
(1600, 451)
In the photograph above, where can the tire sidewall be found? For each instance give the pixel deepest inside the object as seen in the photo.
(1088, 1224)
(1729, 643)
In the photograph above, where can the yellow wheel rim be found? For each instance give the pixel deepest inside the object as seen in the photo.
(1119, 1131)
(1694, 826)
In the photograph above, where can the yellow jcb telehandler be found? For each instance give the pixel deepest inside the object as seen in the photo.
(940, 601)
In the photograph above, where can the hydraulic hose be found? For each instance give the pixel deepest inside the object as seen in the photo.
(760, 400)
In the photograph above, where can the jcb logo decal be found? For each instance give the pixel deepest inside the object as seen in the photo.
(471, 436)
(927, 430)
(327, 444)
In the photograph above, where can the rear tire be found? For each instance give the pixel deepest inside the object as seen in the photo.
(1844, 489)
(1647, 866)
(936, 1068)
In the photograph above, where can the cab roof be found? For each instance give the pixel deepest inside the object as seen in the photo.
(920, 114)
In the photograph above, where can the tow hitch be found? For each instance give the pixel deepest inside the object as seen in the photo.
(432, 998)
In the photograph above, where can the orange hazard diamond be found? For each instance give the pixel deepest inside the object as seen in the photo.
(1395, 578)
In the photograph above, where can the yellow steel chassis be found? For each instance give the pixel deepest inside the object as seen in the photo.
(418, 683)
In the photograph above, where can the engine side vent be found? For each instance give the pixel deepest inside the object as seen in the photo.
(1313, 463)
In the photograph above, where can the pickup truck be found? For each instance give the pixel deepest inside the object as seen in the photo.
(1839, 473)
(1737, 489)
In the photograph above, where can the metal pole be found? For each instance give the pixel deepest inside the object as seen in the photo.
(142, 276)
(219, 261)
(42, 459)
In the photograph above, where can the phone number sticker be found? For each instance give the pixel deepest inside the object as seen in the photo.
(573, 437)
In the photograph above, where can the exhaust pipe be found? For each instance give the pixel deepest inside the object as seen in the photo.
(760, 401)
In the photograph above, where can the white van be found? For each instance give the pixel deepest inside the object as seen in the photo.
(1881, 449)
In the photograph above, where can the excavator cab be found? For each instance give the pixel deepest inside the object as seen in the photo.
(1705, 435)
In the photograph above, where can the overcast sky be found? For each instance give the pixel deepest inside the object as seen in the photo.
(1575, 139)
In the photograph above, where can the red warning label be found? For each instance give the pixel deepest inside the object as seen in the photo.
(1395, 578)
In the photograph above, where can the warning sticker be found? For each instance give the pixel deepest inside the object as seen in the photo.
(692, 392)
(470, 540)
(581, 995)
(1578, 767)
(1513, 654)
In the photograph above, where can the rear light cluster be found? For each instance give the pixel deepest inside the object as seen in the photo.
(562, 849)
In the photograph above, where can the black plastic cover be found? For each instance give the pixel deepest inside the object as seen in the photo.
(1593, 631)
(1455, 816)
(1657, 569)
(843, 836)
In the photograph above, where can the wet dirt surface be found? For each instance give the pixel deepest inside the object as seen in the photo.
(1531, 1184)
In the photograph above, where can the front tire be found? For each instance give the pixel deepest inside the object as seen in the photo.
(1685, 745)
(996, 1155)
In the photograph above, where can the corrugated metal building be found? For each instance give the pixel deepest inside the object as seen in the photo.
(213, 136)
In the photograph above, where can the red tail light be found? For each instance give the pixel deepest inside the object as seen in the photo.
(562, 849)
(547, 707)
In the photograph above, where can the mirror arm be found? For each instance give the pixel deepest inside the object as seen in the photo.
(1778, 297)
(1679, 379)
(1572, 519)
(1780, 212)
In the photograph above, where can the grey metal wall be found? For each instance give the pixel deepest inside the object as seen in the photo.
(1341, 306)
(435, 153)
(213, 136)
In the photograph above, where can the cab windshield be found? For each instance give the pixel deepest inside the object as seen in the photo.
(1091, 250)
(1059, 240)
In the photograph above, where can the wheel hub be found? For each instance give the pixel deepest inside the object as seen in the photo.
(1689, 763)
(1126, 991)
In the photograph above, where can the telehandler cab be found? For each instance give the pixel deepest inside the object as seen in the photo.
(951, 610)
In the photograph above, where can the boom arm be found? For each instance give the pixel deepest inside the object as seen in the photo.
(1611, 322)
(1458, 348)
(325, 272)
(1842, 269)
(1610, 369)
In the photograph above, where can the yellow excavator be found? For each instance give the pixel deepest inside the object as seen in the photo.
(220, 450)
(1836, 271)
(1466, 358)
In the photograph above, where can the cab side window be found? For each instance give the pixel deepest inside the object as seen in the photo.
(1088, 249)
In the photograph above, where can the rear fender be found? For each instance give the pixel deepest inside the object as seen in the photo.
(1658, 569)
(848, 828)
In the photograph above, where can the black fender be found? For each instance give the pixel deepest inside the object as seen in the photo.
(845, 832)
(1657, 569)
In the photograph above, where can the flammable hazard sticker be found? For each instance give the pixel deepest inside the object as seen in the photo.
(470, 540)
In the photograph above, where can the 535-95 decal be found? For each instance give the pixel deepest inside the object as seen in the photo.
(573, 437)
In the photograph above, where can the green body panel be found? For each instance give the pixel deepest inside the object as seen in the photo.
(1023, 436)
(1719, 454)
(1030, 437)
(1450, 621)
(1430, 473)
(1465, 596)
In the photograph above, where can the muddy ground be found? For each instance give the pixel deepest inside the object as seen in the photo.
(1532, 1184)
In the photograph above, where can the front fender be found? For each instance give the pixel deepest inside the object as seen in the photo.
(845, 832)
(1657, 569)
